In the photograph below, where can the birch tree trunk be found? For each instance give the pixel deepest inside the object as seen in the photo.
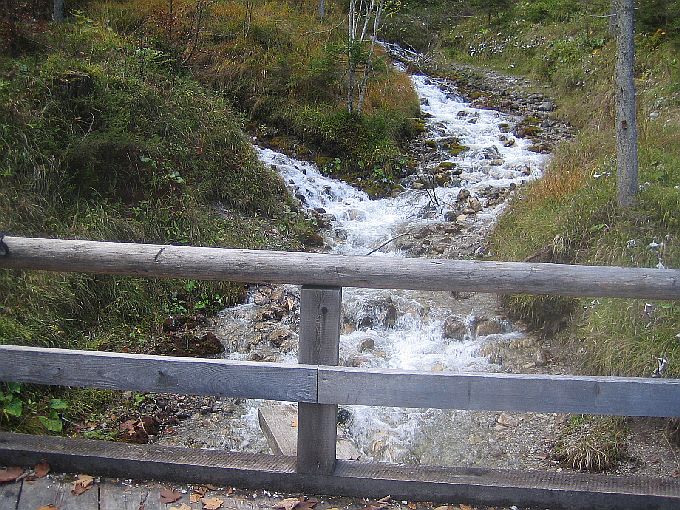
(626, 123)
(58, 10)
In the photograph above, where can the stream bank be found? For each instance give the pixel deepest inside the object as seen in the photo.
(471, 161)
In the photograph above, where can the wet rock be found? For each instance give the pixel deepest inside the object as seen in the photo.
(278, 336)
(491, 153)
(474, 204)
(463, 195)
(540, 358)
(450, 215)
(347, 328)
(546, 106)
(488, 327)
(455, 327)
(264, 354)
(367, 344)
(507, 420)
(344, 416)
(357, 361)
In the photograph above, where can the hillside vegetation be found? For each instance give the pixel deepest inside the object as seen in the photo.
(571, 216)
(131, 122)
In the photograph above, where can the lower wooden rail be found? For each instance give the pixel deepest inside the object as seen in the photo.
(325, 386)
(571, 491)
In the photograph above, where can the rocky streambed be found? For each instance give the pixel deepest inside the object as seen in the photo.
(472, 159)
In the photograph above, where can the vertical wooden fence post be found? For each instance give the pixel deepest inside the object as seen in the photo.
(319, 345)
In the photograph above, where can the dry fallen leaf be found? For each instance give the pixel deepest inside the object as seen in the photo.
(287, 504)
(183, 506)
(444, 507)
(41, 469)
(212, 503)
(48, 507)
(169, 496)
(412, 505)
(465, 507)
(195, 497)
(381, 504)
(10, 474)
(81, 484)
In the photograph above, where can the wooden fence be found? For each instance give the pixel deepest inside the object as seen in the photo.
(318, 385)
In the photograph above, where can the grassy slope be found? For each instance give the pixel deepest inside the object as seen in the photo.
(572, 211)
(101, 138)
(120, 125)
(286, 70)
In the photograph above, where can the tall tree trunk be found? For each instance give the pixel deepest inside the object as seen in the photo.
(626, 124)
(322, 8)
(58, 10)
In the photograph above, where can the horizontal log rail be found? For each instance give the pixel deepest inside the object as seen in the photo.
(318, 385)
(256, 266)
(158, 374)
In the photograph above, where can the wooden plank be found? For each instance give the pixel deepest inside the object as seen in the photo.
(279, 423)
(623, 396)
(9, 495)
(573, 491)
(320, 316)
(254, 266)
(161, 374)
(50, 491)
(117, 496)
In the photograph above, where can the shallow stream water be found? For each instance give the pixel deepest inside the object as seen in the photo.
(403, 329)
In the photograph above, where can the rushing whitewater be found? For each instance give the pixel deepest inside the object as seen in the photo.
(401, 329)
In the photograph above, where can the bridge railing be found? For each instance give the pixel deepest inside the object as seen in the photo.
(319, 385)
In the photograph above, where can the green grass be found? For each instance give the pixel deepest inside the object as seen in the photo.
(592, 443)
(285, 70)
(570, 216)
(106, 139)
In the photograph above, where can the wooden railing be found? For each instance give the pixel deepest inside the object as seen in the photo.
(318, 385)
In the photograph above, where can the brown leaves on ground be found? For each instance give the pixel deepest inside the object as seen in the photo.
(41, 469)
(300, 503)
(381, 504)
(82, 484)
(138, 431)
(212, 503)
(169, 496)
(183, 506)
(48, 507)
(10, 474)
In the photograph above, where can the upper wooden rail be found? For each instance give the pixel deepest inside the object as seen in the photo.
(253, 266)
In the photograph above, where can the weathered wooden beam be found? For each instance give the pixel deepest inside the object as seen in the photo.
(319, 344)
(623, 396)
(573, 491)
(338, 271)
(279, 424)
(160, 374)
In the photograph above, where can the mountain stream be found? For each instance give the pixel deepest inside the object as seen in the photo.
(445, 210)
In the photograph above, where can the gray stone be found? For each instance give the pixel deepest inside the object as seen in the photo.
(454, 327)
(488, 327)
(367, 345)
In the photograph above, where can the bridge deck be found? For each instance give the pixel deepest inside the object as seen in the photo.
(114, 494)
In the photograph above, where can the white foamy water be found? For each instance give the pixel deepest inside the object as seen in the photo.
(406, 328)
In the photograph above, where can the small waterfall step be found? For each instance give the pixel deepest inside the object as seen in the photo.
(279, 425)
